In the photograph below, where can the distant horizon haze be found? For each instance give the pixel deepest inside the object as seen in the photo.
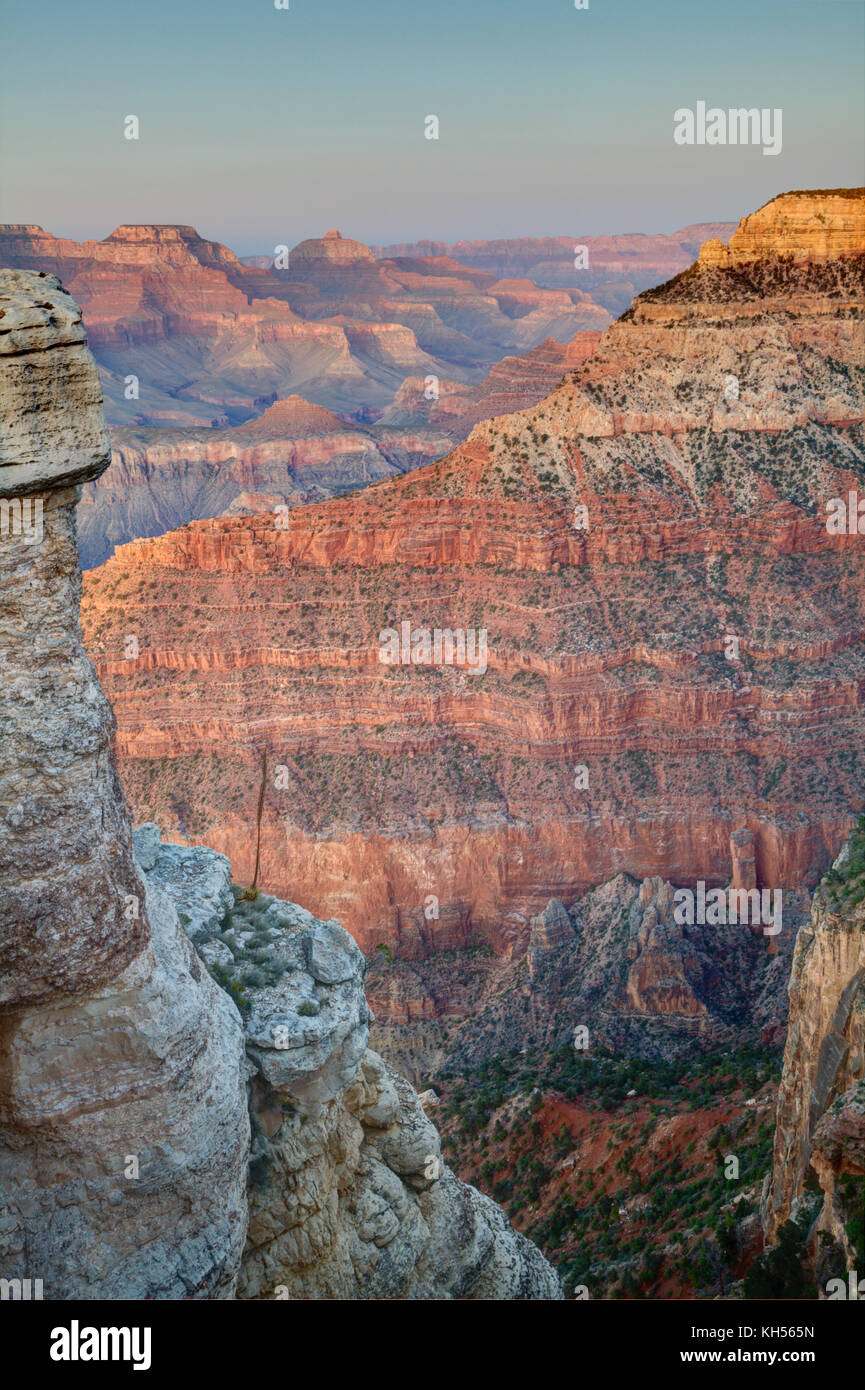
(262, 127)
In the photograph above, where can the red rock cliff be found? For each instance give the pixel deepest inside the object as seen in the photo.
(674, 637)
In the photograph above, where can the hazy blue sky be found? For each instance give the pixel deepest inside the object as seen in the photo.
(262, 126)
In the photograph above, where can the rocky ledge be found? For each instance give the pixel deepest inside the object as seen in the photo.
(348, 1194)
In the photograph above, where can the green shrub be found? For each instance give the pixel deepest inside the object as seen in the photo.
(780, 1271)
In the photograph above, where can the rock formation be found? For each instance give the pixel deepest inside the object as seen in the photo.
(618, 963)
(820, 1132)
(612, 269)
(673, 682)
(191, 343)
(123, 1121)
(331, 250)
(207, 338)
(349, 1196)
(512, 384)
(124, 1113)
(812, 228)
(296, 452)
(293, 452)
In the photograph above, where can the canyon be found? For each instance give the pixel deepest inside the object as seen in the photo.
(612, 269)
(195, 348)
(671, 694)
(211, 340)
(295, 452)
(674, 676)
(619, 1087)
(819, 1145)
(176, 1122)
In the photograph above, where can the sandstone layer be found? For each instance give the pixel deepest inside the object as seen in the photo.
(817, 227)
(124, 1119)
(674, 663)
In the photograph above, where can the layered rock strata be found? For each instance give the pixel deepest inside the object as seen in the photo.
(806, 227)
(191, 343)
(673, 672)
(618, 964)
(295, 452)
(187, 335)
(292, 453)
(610, 268)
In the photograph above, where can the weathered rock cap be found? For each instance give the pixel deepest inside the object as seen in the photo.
(803, 226)
(334, 248)
(52, 429)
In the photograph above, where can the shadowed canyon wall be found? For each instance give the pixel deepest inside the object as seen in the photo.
(820, 1133)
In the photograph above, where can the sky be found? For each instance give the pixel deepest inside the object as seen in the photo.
(261, 126)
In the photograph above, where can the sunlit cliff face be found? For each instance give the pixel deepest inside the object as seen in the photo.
(673, 632)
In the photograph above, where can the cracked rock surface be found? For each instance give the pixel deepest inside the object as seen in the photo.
(349, 1197)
